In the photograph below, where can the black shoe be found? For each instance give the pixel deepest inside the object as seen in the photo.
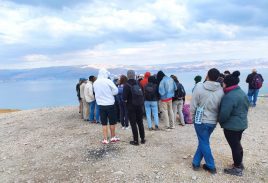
(234, 171)
(150, 129)
(156, 128)
(241, 166)
(195, 168)
(135, 143)
(212, 171)
(143, 141)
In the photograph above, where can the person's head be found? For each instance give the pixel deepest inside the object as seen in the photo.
(152, 79)
(91, 78)
(213, 74)
(231, 79)
(131, 74)
(174, 78)
(147, 74)
(123, 79)
(103, 73)
(160, 76)
(226, 73)
(197, 79)
(254, 70)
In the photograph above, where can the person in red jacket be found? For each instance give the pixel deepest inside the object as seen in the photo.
(145, 79)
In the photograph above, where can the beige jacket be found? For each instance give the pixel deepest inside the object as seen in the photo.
(89, 95)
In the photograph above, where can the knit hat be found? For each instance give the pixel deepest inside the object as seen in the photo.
(197, 79)
(131, 74)
(232, 79)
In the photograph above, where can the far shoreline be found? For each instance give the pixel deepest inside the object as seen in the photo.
(2, 111)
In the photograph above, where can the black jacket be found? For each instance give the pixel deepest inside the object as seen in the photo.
(153, 96)
(250, 78)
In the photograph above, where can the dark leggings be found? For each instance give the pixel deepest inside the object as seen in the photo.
(233, 138)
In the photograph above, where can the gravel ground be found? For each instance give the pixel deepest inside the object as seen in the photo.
(55, 145)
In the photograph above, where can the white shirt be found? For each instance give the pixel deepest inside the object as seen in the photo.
(82, 92)
(105, 90)
(89, 95)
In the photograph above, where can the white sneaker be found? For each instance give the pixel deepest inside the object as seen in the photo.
(105, 141)
(127, 128)
(123, 128)
(115, 139)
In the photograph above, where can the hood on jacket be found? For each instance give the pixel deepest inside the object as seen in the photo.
(211, 85)
(103, 74)
(147, 75)
(160, 76)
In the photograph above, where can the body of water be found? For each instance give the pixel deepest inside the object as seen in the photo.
(53, 93)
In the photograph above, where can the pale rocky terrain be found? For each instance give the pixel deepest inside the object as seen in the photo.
(55, 145)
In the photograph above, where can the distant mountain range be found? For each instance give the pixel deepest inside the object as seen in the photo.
(74, 72)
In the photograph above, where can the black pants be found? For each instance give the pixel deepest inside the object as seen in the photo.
(135, 114)
(233, 138)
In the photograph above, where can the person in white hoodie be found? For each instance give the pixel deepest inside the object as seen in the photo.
(105, 90)
(208, 96)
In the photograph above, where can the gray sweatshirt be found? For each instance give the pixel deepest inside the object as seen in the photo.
(209, 93)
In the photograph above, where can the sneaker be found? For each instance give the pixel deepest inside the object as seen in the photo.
(156, 128)
(234, 171)
(150, 129)
(115, 139)
(127, 128)
(123, 128)
(241, 166)
(195, 167)
(212, 171)
(105, 141)
(143, 141)
(135, 143)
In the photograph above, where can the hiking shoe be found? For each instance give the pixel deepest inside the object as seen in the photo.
(241, 166)
(234, 171)
(156, 128)
(195, 167)
(105, 141)
(150, 129)
(115, 139)
(143, 141)
(135, 143)
(212, 171)
(127, 128)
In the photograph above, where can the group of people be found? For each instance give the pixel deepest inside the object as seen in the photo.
(217, 99)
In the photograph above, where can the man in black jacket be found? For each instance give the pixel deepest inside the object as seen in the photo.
(135, 111)
(254, 81)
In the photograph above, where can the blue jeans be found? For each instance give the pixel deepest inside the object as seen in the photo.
(203, 132)
(123, 114)
(151, 107)
(252, 96)
(93, 105)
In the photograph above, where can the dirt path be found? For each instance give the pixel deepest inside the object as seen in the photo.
(54, 145)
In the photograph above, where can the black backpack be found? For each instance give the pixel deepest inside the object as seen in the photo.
(150, 92)
(257, 81)
(137, 94)
(180, 92)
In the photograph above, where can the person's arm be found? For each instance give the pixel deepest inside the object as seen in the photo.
(161, 88)
(125, 92)
(113, 87)
(194, 101)
(226, 108)
(247, 80)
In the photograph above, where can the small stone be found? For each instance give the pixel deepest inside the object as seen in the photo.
(163, 166)
(194, 177)
(264, 161)
(185, 157)
(119, 173)
(157, 177)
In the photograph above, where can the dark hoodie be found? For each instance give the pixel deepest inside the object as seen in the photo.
(160, 76)
(148, 93)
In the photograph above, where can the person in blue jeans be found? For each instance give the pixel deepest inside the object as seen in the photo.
(122, 103)
(207, 95)
(94, 111)
(253, 90)
(151, 96)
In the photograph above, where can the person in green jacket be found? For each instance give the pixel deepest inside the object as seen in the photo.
(233, 119)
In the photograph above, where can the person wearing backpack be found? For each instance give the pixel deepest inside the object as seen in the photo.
(122, 104)
(167, 88)
(133, 96)
(178, 100)
(255, 82)
(151, 96)
(204, 108)
(233, 119)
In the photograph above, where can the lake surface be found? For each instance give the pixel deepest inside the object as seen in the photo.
(53, 93)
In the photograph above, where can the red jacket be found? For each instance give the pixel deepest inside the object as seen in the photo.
(145, 80)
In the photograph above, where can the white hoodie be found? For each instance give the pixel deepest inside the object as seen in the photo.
(89, 96)
(104, 89)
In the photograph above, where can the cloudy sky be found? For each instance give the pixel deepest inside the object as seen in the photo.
(41, 33)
